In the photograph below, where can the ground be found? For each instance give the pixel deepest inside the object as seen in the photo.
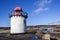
(5, 36)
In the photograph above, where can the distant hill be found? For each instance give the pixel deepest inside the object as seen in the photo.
(34, 26)
(4, 27)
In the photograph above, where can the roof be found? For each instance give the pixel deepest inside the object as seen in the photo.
(18, 8)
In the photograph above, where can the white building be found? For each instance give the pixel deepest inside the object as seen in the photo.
(18, 21)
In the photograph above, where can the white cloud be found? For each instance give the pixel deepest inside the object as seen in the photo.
(40, 9)
(41, 5)
(45, 9)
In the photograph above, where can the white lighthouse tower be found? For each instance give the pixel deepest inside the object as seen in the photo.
(18, 21)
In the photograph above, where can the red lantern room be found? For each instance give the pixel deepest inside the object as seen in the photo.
(18, 11)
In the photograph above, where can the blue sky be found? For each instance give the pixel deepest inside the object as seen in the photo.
(40, 12)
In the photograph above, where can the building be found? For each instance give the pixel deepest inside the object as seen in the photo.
(18, 21)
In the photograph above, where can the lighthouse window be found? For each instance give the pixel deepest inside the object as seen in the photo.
(17, 11)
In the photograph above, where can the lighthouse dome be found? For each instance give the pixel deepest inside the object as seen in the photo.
(18, 8)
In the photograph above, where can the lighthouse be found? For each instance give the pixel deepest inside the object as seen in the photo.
(18, 21)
